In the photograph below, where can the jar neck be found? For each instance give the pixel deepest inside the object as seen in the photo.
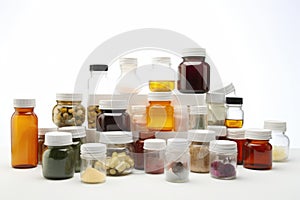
(112, 110)
(59, 147)
(24, 110)
(200, 143)
(258, 141)
(234, 105)
(68, 102)
(160, 102)
(193, 58)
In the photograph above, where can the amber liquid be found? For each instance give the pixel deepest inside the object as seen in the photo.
(240, 147)
(233, 123)
(24, 138)
(257, 154)
(161, 86)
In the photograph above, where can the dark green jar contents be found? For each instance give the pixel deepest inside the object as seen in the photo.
(58, 162)
(77, 142)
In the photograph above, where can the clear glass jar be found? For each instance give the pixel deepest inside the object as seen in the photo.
(154, 155)
(280, 141)
(177, 160)
(198, 117)
(78, 138)
(24, 134)
(216, 108)
(257, 149)
(220, 131)
(181, 118)
(223, 155)
(234, 112)
(199, 149)
(93, 169)
(41, 141)
(138, 120)
(194, 72)
(68, 111)
(120, 150)
(237, 135)
(58, 160)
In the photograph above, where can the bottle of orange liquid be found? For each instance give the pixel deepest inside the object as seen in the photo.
(24, 134)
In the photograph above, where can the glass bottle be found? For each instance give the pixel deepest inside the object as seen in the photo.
(93, 169)
(181, 118)
(138, 120)
(223, 155)
(234, 112)
(257, 150)
(237, 135)
(280, 141)
(194, 72)
(198, 117)
(177, 160)
(41, 141)
(221, 132)
(154, 155)
(216, 108)
(24, 134)
(58, 160)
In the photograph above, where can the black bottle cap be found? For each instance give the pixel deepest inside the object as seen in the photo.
(234, 100)
(98, 67)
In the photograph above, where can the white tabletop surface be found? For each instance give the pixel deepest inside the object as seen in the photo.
(279, 183)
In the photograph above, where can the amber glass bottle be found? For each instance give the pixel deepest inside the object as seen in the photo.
(24, 134)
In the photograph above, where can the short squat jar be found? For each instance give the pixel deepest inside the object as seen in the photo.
(154, 155)
(257, 149)
(93, 169)
(223, 155)
(41, 141)
(198, 117)
(237, 135)
(120, 150)
(68, 111)
(58, 160)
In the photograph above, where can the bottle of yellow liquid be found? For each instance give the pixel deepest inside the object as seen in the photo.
(234, 112)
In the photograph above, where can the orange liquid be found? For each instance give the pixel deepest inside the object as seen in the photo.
(24, 138)
(233, 123)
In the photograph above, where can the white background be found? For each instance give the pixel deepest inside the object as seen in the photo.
(253, 44)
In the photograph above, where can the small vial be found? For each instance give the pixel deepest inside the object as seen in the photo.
(234, 112)
(237, 135)
(154, 154)
(198, 117)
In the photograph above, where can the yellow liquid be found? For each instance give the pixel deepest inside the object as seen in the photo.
(233, 123)
(160, 117)
(161, 85)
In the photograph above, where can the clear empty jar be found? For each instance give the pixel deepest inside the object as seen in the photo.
(154, 155)
(138, 120)
(198, 117)
(181, 118)
(216, 108)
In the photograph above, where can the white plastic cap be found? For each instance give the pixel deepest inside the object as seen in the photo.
(193, 52)
(24, 103)
(76, 131)
(113, 104)
(160, 96)
(215, 97)
(275, 125)
(219, 130)
(258, 134)
(58, 138)
(93, 148)
(43, 131)
(194, 110)
(170, 134)
(201, 135)
(162, 61)
(177, 144)
(68, 97)
(155, 144)
(223, 146)
(128, 61)
(116, 137)
(236, 133)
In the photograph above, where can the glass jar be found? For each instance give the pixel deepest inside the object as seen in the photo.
(237, 135)
(78, 138)
(216, 108)
(68, 111)
(119, 146)
(223, 155)
(234, 112)
(257, 149)
(220, 131)
(24, 134)
(280, 142)
(154, 155)
(177, 160)
(41, 141)
(160, 112)
(58, 160)
(138, 120)
(93, 156)
(199, 149)
(194, 72)
(113, 116)
(181, 118)
(198, 117)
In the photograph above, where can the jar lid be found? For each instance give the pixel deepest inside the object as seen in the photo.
(275, 125)
(170, 134)
(154, 144)
(201, 135)
(219, 130)
(24, 103)
(98, 67)
(177, 144)
(223, 146)
(193, 52)
(162, 61)
(160, 96)
(258, 134)
(128, 61)
(236, 133)
(69, 97)
(93, 148)
(234, 100)
(76, 131)
(198, 109)
(58, 138)
(116, 137)
(43, 131)
(113, 104)
(215, 97)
